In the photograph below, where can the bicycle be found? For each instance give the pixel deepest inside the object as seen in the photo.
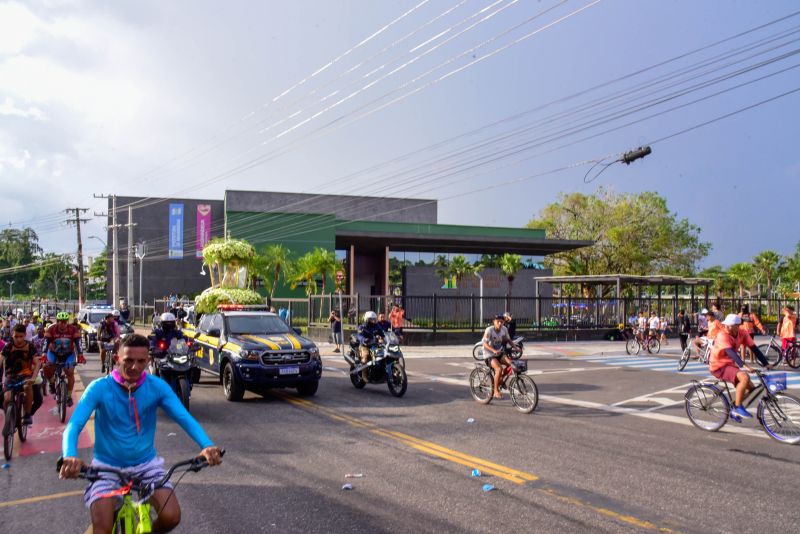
(60, 388)
(108, 361)
(687, 354)
(14, 422)
(134, 517)
(775, 354)
(522, 389)
(708, 406)
(639, 341)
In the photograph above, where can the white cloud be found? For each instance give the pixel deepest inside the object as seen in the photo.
(18, 28)
(8, 107)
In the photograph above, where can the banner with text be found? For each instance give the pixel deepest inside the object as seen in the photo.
(175, 231)
(203, 228)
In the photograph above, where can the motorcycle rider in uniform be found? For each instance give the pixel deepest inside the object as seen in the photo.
(167, 331)
(368, 334)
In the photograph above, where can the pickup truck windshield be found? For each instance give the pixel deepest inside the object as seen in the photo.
(256, 324)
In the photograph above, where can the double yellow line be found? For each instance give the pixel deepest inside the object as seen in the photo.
(427, 447)
(460, 458)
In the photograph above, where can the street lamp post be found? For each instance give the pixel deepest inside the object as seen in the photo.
(10, 285)
(141, 252)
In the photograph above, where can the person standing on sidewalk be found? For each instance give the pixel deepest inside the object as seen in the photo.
(750, 324)
(787, 326)
(336, 329)
(684, 327)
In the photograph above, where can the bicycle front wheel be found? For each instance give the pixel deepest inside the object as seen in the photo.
(687, 353)
(707, 407)
(792, 358)
(780, 417)
(524, 393)
(653, 346)
(632, 346)
(480, 385)
(771, 352)
(8, 431)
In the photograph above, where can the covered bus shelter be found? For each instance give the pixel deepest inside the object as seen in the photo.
(599, 286)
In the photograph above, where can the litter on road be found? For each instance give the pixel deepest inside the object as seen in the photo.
(475, 473)
(488, 487)
(470, 420)
(354, 475)
(347, 487)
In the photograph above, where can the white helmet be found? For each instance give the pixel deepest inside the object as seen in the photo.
(370, 316)
(704, 311)
(166, 317)
(115, 313)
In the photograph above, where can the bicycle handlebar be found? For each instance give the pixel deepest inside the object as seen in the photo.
(92, 474)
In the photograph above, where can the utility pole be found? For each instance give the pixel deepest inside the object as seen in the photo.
(129, 226)
(114, 246)
(77, 222)
(141, 252)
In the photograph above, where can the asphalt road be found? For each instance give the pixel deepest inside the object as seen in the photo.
(609, 449)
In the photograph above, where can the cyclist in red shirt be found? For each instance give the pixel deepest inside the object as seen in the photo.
(63, 342)
(726, 364)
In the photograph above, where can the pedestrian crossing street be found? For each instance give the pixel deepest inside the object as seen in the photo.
(693, 368)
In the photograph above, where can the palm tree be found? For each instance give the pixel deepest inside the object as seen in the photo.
(741, 274)
(717, 274)
(324, 264)
(768, 263)
(273, 262)
(303, 270)
(510, 265)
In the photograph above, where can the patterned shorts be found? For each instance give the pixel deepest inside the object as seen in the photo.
(152, 471)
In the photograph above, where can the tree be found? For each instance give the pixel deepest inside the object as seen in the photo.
(633, 234)
(767, 264)
(324, 265)
(19, 248)
(273, 262)
(55, 268)
(96, 277)
(719, 276)
(741, 274)
(303, 271)
(510, 265)
(793, 267)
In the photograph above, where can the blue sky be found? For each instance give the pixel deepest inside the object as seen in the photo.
(170, 98)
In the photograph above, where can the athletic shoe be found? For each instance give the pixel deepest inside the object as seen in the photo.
(69, 401)
(27, 420)
(735, 418)
(740, 411)
(52, 388)
(335, 350)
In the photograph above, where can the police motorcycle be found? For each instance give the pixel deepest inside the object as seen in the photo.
(386, 363)
(174, 362)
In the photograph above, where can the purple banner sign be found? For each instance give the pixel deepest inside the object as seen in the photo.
(203, 228)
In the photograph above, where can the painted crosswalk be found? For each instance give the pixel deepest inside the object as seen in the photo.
(670, 365)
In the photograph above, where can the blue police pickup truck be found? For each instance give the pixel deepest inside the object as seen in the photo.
(255, 351)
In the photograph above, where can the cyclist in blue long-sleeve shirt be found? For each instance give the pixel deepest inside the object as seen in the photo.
(125, 405)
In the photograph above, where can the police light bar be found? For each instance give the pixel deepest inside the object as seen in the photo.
(229, 307)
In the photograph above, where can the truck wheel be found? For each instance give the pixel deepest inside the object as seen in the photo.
(307, 389)
(234, 391)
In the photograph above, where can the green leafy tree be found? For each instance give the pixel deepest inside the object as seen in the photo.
(793, 267)
(55, 269)
(96, 277)
(633, 234)
(741, 274)
(490, 260)
(19, 247)
(324, 264)
(272, 264)
(720, 279)
(303, 271)
(767, 264)
(510, 265)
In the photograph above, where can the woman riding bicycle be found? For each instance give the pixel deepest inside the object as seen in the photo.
(125, 405)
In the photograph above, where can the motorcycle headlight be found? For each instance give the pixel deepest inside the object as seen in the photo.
(179, 359)
(251, 355)
(394, 348)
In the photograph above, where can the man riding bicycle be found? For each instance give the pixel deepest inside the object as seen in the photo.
(125, 405)
(107, 332)
(495, 338)
(725, 363)
(63, 343)
(19, 362)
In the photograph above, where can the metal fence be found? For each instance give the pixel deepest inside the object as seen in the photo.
(439, 312)
(45, 307)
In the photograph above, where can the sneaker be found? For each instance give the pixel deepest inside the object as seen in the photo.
(27, 420)
(735, 418)
(740, 411)
(52, 388)
(69, 401)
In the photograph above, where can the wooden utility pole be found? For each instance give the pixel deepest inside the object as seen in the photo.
(77, 222)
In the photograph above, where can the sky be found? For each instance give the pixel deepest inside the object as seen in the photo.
(492, 107)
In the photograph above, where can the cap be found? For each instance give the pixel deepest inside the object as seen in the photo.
(499, 317)
(704, 311)
(732, 320)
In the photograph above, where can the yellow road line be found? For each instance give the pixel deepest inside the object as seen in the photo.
(40, 498)
(460, 458)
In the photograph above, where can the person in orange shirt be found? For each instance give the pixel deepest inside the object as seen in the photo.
(787, 326)
(713, 328)
(750, 324)
(397, 317)
(725, 363)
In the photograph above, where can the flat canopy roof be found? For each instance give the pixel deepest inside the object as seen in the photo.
(463, 243)
(651, 280)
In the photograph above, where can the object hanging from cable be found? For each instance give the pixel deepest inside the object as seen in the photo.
(631, 156)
